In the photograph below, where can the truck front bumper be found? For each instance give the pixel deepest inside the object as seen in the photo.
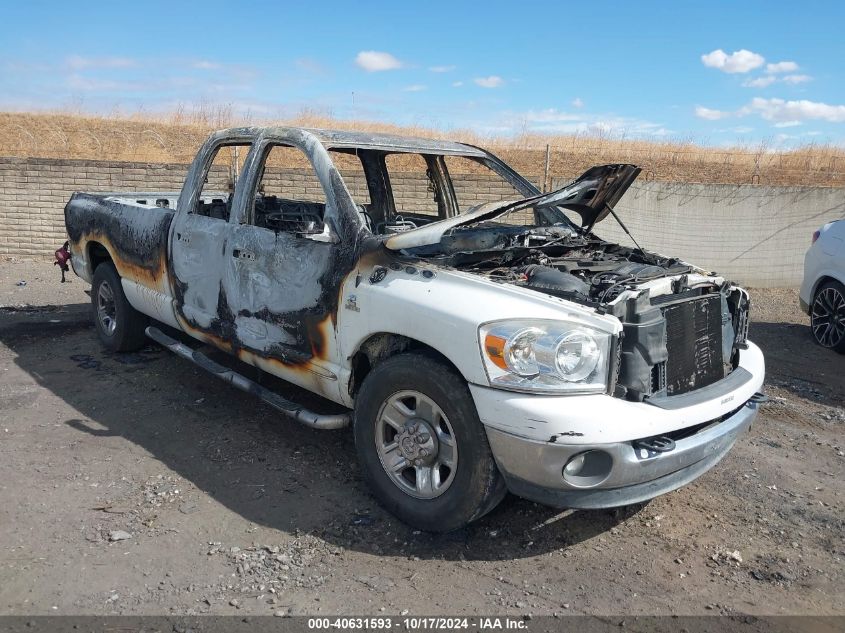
(627, 453)
(628, 474)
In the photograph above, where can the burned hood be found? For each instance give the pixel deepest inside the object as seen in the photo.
(593, 193)
(591, 196)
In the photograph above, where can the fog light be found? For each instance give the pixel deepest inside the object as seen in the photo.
(588, 469)
(575, 465)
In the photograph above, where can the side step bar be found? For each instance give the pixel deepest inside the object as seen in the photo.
(291, 409)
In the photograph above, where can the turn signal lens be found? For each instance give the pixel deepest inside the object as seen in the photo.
(495, 348)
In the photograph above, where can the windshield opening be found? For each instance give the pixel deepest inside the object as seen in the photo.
(479, 181)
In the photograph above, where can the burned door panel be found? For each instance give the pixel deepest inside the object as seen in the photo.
(288, 253)
(265, 285)
(274, 293)
(197, 247)
(199, 234)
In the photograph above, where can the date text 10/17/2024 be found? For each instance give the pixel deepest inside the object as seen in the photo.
(419, 623)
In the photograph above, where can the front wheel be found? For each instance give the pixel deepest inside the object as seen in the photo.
(827, 316)
(421, 446)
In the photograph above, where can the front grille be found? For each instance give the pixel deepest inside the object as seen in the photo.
(694, 345)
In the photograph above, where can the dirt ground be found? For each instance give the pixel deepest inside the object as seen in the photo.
(137, 484)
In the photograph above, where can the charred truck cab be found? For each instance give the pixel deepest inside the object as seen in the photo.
(482, 337)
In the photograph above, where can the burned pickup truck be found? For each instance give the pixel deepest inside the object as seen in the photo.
(479, 334)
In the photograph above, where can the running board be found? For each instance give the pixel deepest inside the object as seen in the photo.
(291, 409)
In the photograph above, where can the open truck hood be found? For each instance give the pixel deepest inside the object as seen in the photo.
(591, 196)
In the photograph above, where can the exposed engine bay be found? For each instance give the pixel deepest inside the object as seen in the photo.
(678, 336)
(557, 260)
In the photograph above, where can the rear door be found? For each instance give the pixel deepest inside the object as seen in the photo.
(198, 238)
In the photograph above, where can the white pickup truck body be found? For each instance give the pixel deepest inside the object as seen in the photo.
(344, 299)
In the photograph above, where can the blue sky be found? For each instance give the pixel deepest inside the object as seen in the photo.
(714, 72)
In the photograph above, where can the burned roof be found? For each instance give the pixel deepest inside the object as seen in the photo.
(392, 142)
(339, 139)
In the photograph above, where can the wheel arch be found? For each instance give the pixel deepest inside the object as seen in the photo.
(378, 347)
(97, 253)
(823, 279)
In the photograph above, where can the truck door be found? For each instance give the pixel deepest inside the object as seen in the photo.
(198, 236)
(284, 266)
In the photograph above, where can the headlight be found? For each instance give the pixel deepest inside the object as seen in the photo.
(545, 356)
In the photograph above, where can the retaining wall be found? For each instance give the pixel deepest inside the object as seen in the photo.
(753, 234)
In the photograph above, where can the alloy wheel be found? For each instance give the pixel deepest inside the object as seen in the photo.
(416, 444)
(828, 317)
(106, 311)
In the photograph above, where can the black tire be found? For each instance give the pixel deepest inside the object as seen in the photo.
(827, 316)
(120, 327)
(476, 486)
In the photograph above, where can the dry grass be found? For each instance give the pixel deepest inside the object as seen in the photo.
(175, 138)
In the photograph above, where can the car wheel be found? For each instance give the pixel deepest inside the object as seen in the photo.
(827, 316)
(119, 326)
(421, 446)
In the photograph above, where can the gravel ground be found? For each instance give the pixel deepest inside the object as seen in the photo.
(136, 484)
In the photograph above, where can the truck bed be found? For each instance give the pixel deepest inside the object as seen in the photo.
(131, 228)
(119, 227)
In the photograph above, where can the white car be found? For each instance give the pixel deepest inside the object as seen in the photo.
(822, 293)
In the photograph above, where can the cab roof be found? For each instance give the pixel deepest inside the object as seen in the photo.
(339, 139)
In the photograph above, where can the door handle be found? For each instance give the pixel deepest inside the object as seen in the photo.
(244, 255)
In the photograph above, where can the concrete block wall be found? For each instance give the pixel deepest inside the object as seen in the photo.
(752, 234)
(296, 184)
(33, 194)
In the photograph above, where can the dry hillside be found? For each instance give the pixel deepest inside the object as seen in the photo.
(175, 138)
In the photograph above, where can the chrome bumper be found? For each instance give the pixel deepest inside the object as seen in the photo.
(534, 470)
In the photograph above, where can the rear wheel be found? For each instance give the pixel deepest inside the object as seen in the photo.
(120, 327)
(422, 448)
(827, 316)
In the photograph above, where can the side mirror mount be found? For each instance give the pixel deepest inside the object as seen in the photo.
(327, 235)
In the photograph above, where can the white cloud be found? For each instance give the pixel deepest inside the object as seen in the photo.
(788, 124)
(740, 61)
(77, 62)
(797, 79)
(800, 110)
(441, 69)
(493, 81)
(768, 80)
(414, 88)
(554, 121)
(781, 67)
(577, 102)
(781, 111)
(91, 84)
(551, 115)
(710, 114)
(785, 139)
(376, 61)
(760, 82)
(457, 84)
